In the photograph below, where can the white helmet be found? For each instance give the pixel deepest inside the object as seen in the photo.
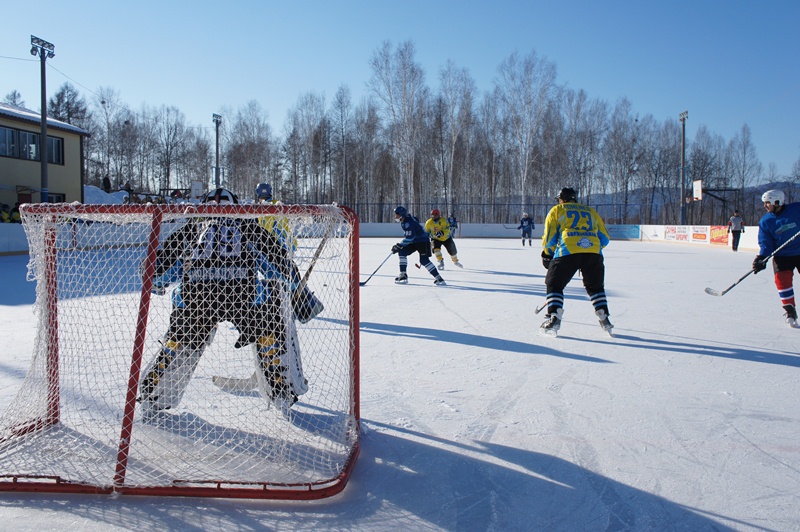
(220, 196)
(776, 197)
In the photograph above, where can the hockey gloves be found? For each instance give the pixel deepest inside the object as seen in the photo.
(546, 260)
(760, 263)
(396, 248)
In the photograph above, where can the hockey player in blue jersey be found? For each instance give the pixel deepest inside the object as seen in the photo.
(779, 225)
(527, 226)
(452, 221)
(415, 240)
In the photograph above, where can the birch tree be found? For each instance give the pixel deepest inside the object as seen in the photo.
(399, 84)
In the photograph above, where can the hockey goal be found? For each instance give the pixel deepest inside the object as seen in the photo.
(79, 422)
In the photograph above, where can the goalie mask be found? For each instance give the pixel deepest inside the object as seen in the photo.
(220, 196)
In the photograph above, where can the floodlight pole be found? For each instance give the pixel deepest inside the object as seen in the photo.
(44, 50)
(217, 121)
(683, 116)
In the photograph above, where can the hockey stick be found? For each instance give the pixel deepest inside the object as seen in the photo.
(539, 309)
(304, 280)
(234, 384)
(512, 227)
(712, 292)
(376, 270)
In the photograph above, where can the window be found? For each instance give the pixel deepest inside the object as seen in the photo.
(25, 145)
(8, 144)
(55, 150)
(29, 145)
(56, 198)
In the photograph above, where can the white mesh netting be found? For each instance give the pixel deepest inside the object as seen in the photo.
(251, 309)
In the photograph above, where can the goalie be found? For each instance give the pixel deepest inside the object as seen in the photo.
(217, 261)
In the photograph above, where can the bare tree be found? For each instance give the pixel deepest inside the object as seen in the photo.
(747, 167)
(585, 123)
(100, 145)
(171, 136)
(250, 149)
(346, 189)
(399, 83)
(525, 87)
(457, 91)
(622, 152)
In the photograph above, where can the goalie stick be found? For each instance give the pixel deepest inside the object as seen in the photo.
(235, 384)
(712, 292)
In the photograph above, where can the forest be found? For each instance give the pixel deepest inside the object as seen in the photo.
(485, 157)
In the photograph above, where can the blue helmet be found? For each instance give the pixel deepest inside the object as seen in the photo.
(263, 191)
(400, 212)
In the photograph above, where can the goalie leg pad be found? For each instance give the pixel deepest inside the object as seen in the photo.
(274, 381)
(280, 371)
(166, 379)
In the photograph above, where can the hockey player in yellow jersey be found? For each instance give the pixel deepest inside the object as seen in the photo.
(439, 230)
(573, 240)
(277, 226)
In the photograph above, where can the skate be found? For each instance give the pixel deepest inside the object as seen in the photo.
(439, 281)
(401, 279)
(605, 324)
(552, 324)
(458, 264)
(440, 264)
(791, 316)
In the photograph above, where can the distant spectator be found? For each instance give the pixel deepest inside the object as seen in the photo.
(735, 229)
(453, 222)
(15, 217)
(106, 185)
(5, 216)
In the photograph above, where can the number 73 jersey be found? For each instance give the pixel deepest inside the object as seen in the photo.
(573, 228)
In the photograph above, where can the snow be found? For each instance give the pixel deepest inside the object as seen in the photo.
(94, 195)
(687, 420)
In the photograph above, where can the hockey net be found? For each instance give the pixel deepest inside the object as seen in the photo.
(78, 423)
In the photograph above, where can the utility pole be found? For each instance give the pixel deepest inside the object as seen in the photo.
(44, 50)
(217, 121)
(683, 117)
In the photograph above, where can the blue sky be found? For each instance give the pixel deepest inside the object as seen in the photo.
(727, 62)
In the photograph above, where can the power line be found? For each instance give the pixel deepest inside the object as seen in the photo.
(87, 89)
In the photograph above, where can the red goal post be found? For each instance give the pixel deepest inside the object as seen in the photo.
(76, 424)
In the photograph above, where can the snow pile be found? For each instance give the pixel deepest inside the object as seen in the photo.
(96, 196)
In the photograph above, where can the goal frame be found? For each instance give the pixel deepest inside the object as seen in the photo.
(49, 314)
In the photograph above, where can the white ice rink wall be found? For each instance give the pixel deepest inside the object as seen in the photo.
(13, 241)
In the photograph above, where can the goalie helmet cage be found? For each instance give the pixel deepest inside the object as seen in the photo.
(75, 424)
